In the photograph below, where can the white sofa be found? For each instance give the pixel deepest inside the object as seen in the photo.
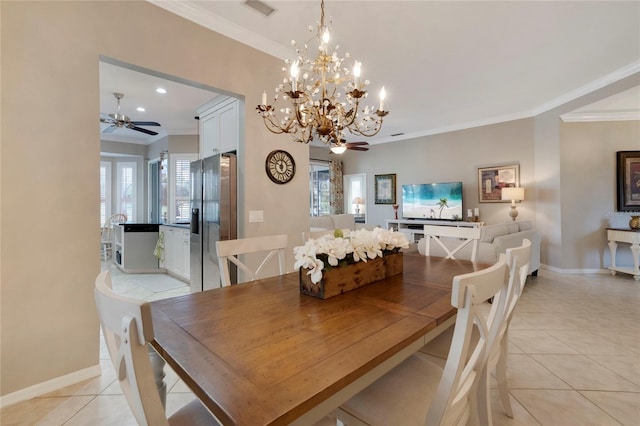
(495, 239)
(335, 221)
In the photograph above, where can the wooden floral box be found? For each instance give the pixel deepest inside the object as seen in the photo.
(340, 279)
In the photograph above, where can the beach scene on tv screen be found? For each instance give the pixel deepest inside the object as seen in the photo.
(432, 201)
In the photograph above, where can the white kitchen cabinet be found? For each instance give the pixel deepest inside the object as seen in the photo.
(219, 127)
(176, 251)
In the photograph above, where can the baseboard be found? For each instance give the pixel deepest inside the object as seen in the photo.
(50, 386)
(572, 271)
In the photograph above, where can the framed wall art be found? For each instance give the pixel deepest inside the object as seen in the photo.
(491, 180)
(385, 189)
(628, 178)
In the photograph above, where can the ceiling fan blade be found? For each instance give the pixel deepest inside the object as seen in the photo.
(357, 148)
(140, 129)
(357, 143)
(145, 123)
(110, 129)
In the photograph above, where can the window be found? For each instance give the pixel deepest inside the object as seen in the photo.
(105, 191)
(319, 188)
(180, 186)
(126, 189)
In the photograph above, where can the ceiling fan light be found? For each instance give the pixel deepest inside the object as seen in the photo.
(338, 149)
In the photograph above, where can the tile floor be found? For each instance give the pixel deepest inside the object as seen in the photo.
(574, 359)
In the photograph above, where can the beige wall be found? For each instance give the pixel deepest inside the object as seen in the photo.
(450, 157)
(588, 202)
(49, 173)
(567, 169)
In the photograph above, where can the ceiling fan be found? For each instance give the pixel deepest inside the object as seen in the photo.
(354, 146)
(118, 121)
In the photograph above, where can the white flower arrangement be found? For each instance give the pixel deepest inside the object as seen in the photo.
(356, 246)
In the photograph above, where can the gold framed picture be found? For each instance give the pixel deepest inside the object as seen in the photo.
(491, 180)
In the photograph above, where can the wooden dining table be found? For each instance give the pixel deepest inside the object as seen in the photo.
(262, 353)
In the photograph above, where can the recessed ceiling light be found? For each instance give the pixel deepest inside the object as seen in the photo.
(161, 90)
(140, 109)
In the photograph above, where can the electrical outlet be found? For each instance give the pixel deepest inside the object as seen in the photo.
(256, 216)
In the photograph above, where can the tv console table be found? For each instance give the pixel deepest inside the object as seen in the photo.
(414, 228)
(629, 236)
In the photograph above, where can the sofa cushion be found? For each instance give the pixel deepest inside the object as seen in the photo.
(525, 225)
(320, 223)
(344, 221)
(513, 227)
(488, 233)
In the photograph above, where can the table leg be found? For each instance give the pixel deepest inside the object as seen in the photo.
(635, 249)
(613, 246)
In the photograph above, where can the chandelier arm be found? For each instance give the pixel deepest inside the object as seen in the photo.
(275, 126)
(356, 129)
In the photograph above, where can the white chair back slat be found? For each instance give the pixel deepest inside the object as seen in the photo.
(518, 260)
(127, 328)
(465, 367)
(465, 235)
(230, 250)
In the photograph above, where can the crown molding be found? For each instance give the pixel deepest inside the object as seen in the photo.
(599, 83)
(200, 16)
(581, 117)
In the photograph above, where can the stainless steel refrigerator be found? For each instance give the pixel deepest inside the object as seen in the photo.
(213, 217)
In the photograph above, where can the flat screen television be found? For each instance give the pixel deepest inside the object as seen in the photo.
(433, 201)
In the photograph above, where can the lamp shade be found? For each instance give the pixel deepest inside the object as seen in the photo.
(513, 194)
(358, 200)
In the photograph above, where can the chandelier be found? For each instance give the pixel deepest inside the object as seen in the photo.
(322, 97)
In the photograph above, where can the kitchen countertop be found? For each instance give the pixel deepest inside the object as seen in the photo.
(177, 225)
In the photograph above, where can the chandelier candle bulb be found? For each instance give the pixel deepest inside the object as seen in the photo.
(294, 76)
(383, 95)
(264, 97)
(356, 73)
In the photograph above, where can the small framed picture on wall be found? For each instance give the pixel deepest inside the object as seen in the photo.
(491, 180)
(385, 189)
(628, 178)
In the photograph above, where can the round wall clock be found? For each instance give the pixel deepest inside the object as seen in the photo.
(280, 166)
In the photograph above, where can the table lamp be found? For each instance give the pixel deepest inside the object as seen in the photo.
(357, 201)
(513, 194)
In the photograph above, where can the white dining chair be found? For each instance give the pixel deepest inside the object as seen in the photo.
(518, 259)
(106, 234)
(229, 250)
(437, 349)
(128, 329)
(418, 391)
(462, 236)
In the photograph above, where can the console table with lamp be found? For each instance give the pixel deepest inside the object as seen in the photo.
(629, 236)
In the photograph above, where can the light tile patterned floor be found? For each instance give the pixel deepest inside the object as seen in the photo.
(574, 359)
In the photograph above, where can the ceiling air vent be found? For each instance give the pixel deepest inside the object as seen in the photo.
(260, 6)
(397, 134)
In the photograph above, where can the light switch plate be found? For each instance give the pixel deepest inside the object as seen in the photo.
(256, 216)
